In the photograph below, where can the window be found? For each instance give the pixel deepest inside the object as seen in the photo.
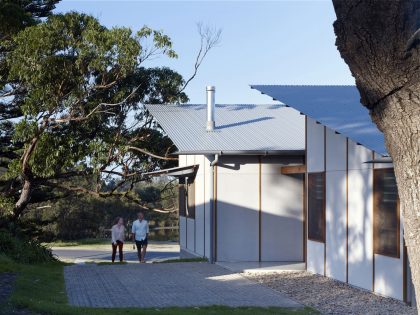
(181, 198)
(386, 219)
(186, 198)
(191, 199)
(316, 207)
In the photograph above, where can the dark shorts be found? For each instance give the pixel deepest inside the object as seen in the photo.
(141, 244)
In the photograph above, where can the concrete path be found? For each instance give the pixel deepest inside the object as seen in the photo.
(165, 285)
(101, 253)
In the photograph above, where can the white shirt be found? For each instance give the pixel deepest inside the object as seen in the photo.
(117, 233)
(140, 228)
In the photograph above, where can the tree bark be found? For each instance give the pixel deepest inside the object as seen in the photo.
(380, 42)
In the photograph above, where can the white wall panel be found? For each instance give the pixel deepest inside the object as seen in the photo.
(358, 155)
(207, 170)
(389, 276)
(360, 222)
(360, 256)
(282, 213)
(336, 224)
(315, 257)
(315, 146)
(190, 234)
(336, 151)
(182, 232)
(237, 209)
(336, 160)
(199, 206)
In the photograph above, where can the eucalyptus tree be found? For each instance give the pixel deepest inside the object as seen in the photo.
(380, 42)
(83, 87)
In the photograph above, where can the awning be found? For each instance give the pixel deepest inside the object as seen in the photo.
(179, 172)
(384, 159)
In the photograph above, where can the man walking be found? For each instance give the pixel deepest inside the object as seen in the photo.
(140, 232)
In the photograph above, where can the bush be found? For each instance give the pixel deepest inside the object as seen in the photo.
(24, 250)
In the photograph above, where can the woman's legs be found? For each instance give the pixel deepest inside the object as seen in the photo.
(114, 251)
(120, 249)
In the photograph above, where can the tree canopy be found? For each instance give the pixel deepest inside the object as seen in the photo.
(72, 104)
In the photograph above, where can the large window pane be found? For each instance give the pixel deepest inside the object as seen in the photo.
(191, 200)
(316, 207)
(181, 198)
(386, 213)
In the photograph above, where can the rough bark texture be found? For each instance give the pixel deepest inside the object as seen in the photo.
(380, 42)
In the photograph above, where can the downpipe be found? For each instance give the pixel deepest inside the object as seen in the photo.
(213, 163)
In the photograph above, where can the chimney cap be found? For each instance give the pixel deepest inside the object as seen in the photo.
(210, 88)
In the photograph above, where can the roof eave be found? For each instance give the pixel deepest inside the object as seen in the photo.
(243, 152)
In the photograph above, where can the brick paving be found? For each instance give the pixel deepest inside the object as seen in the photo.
(165, 285)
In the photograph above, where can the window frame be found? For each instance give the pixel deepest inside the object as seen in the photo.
(190, 191)
(376, 249)
(182, 209)
(323, 218)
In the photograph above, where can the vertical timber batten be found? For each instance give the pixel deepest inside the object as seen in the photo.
(325, 205)
(195, 220)
(373, 222)
(259, 208)
(204, 205)
(305, 194)
(215, 211)
(347, 210)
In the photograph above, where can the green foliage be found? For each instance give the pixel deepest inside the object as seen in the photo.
(23, 250)
(84, 217)
(79, 88)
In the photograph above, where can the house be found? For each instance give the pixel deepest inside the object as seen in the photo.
(306, 181)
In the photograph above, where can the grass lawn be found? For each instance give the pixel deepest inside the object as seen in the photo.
(40, 288)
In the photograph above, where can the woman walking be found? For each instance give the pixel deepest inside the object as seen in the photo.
(118, 232)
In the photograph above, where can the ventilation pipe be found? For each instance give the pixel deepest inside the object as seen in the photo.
(210, 91)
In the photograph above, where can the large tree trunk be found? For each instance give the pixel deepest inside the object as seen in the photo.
(24, 199)
(380, 42)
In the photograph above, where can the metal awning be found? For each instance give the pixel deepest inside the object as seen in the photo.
(179, 172)
(384, 159)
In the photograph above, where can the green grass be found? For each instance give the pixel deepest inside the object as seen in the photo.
(40, 288)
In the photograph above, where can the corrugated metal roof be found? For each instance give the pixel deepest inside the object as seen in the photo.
(337, 107)
(238, 127)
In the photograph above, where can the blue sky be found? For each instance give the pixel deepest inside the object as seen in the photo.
(274, 42)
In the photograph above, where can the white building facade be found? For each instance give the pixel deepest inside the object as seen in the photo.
(307, 193)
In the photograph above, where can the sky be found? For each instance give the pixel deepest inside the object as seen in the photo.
(273, 42)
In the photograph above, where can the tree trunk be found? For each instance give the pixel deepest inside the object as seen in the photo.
(401, 128)
(24, 198)
(380, 42)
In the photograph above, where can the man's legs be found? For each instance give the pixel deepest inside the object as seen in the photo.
(143, 252)
(138, 245)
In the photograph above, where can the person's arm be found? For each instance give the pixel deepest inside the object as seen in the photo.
(133, 232)
(113, 235)
(147, 230)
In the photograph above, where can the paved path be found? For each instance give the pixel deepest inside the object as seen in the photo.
(100, 253)
(165, 285)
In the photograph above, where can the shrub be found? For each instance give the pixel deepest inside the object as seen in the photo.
(24, 250)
